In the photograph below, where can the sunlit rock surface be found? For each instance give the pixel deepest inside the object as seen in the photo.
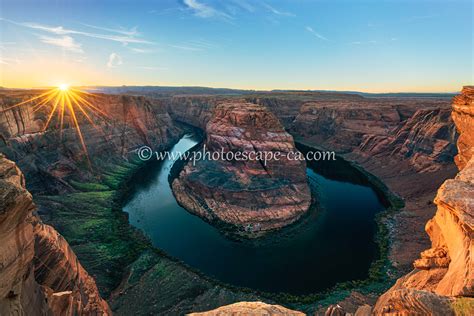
(51, 157)
(445, 272)
(253, 195)
(251, 309)
(39, 273)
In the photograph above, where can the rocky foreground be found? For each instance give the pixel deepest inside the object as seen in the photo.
(253, 196)
(39, 272)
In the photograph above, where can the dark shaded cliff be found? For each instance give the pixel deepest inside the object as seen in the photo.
(39, 273)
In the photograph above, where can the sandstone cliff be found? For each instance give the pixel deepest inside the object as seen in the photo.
(250, 308)
(39, 273)
(445, 272)
(376, 128)
(409, 143)
(49, 159)
(253, 195)
(463, 116)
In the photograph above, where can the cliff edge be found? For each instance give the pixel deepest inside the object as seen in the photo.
(39, 273)
(445, 273)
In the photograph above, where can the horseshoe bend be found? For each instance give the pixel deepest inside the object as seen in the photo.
(252, 200)
(209, 157)
(252, 195)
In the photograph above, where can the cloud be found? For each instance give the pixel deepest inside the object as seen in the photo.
(142, 50)
(114, 60)
(65, 42)
(60, 30)
(203, 10)
(195, 45)
(365, 42)
(277, 12)
(310, 29)
(131, 32)
(244, 5)
(8, 61)
(186, 47)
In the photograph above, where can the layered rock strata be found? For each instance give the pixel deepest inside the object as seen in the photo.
(250, 308)
(49, 158)
(373, 128)
(252, 195)
(445, 272)
(39, 273)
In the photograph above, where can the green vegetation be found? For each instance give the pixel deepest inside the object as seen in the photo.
(463, 306)
(88, 186)
(93, 223)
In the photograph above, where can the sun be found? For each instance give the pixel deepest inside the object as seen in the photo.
(65, 103)
(63, 86)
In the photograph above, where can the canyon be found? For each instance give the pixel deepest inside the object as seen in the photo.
(408, 143)
(40, 273)
(253, 196)
(444, 273)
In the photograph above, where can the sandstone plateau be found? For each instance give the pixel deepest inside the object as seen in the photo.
(251, 195)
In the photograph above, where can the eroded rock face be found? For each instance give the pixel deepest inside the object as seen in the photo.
(19, 293)
(251, 195)
(250, 308)
(463, 116)
(48, 158)
(422, 133)
(445, 270)
(39, 273)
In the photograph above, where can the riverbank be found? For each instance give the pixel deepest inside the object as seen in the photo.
(126, 265)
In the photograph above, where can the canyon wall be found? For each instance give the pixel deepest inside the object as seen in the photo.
(193, 110)
(410, 148)
(445, 272)
(418, 131)
(39, 273)
(52, 163)
(51, 157)
(252, 194)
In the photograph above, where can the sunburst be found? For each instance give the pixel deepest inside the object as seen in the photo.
(65, 101)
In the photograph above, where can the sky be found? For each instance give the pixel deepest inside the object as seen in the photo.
(367, 45)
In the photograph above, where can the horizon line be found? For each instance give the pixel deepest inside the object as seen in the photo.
(242, 89)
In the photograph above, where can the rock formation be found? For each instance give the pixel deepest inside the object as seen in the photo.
(39, 273)
(253, 195)
(49, 159)
(445, 272)
(463, 113)
(250, 308)
(376, 128)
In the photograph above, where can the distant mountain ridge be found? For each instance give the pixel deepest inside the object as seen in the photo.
(190, 90)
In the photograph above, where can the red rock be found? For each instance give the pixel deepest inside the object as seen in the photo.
(250, 195)
(250, 309)
(446, 270)
(39, 273)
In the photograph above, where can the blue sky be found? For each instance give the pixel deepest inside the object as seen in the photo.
(377, 46)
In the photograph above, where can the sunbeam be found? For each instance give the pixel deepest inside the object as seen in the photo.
(65, 101)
